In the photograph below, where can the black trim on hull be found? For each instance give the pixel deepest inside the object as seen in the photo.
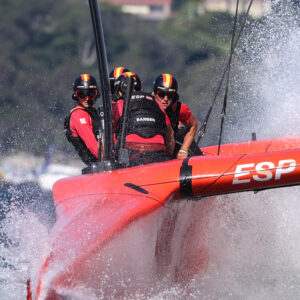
(136, 188)
(186, 179)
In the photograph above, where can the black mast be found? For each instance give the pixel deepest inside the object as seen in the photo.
(104, 82)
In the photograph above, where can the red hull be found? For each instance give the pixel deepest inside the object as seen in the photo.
(92, 209)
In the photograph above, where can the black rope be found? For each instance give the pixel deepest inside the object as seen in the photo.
(202, 130)
(223, 113)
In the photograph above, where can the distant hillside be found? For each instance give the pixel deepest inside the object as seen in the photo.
(46, 44)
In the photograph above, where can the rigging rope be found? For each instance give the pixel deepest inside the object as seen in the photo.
(223, 113)
(202, 130)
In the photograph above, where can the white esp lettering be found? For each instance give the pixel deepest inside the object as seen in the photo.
(283, 169)
(263, 171)
(239, 172)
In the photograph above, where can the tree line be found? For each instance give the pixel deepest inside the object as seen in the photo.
(46, 44)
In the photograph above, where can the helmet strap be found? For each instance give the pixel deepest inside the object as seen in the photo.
(91, 102)
(175, 98)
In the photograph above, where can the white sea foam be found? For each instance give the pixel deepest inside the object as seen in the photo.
(20, 250)
(265, 91)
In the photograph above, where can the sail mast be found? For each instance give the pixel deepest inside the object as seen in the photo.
(104, 81)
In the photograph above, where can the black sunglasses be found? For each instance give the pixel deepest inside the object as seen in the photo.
(82, 93)
(163, 94)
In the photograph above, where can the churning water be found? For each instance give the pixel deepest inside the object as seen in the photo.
(265, 90)
(26, 214)
(249, 241)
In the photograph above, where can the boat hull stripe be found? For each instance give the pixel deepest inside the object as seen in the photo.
(186, 179)
(136, 188)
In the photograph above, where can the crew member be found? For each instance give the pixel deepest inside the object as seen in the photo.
(165, 89)
(113, 75)
(82, 125)
(149, 135)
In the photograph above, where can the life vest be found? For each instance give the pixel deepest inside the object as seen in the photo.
(174, 116)
(85, 154)
(145, 117)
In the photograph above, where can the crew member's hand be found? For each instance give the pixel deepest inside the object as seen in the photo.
(182, 154)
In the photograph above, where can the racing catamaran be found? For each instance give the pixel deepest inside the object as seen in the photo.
(92, 209)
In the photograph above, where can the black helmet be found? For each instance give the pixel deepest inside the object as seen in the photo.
(85, 85)
(114, 74)
(121, 82)
(165, 83)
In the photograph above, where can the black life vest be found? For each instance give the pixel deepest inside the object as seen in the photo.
(85, 154)
(145, 118)
(174, 116)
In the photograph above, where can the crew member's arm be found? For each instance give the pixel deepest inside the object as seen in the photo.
(187, 118)
(81, 123)
(102, 148)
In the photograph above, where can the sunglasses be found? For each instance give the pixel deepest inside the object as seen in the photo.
(163, 94)
(83, 93)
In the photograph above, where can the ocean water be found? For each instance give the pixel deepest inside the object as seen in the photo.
(241, 246)
(26, 214)
(264, 89)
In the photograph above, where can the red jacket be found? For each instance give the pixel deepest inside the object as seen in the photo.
(81, 126)
(185, 114)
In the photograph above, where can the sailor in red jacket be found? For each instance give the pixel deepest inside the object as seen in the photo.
(149, 136)
(83, 123)
(165, 91)
(113, 75)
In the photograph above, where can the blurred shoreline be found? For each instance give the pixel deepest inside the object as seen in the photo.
(25, 167)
